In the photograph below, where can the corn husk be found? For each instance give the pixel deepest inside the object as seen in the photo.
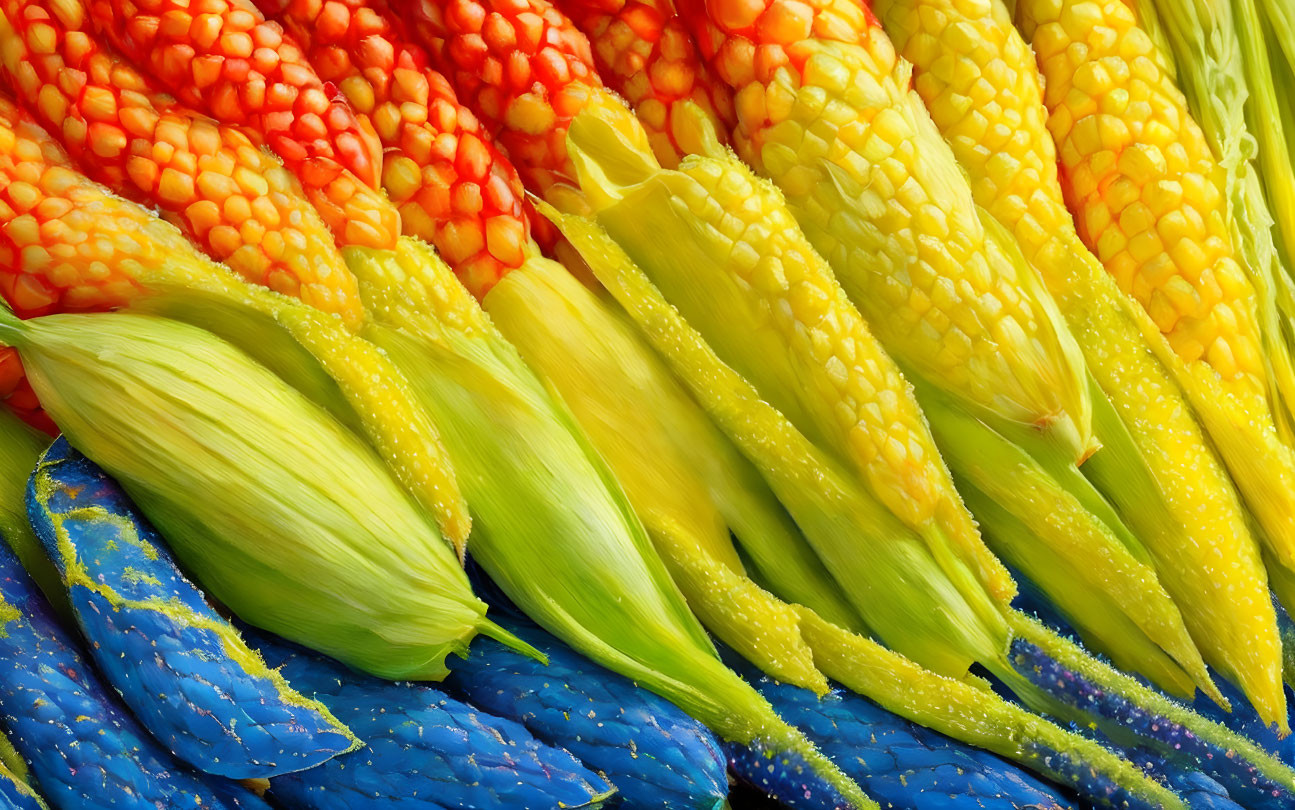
(20, 447)
(281, 512)
(552, 526)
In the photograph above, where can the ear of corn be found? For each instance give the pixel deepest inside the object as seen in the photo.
(223, 712)
(597, 715)
(1229, 81)
(225, 59)
(524, 67)
(981, 85)
(1156, 218)
(420, 742)
(285, 516)
(552, 526)
(881, 198)
(441, 169)
(829, 508)
(233, 198)
(787, 326)
(1107, 590)
(680, 493)
(59, 715)
(784, 349)
(644, 53)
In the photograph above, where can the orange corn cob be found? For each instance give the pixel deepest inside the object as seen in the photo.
(235, 199)
(451, 185)
(644, 53)
(224, 58)
(523, 66)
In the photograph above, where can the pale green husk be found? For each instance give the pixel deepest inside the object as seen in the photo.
(281, 512)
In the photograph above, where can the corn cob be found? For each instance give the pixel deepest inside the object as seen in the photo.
(979, 81)
(441, 169)
(79, 247)
(525, 68)
(222, 711)
(644, 53)
(880, 197)
(225, 59)
(658, 757)
(1230, 82)
(84, 747)
(424, 749)
(843, 527)
(214, 182)
(243, 480)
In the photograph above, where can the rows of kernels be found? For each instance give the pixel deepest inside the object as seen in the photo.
(223, 57)
(1145, 188)
(979, 80)
(525, 69)
(239, 203)
(644, 53)
(871, 404)
(65, 242)
(912, 253)
(450, 184)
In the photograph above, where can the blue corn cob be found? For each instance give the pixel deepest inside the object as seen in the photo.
(181, 668)
(898, 763)
(1252, 778)
(423, 749)
(658, 757)
(85, 750)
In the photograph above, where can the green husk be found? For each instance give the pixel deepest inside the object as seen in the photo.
(20, 447)
(680, 474)
(552, 526)
(1092, 569)
(281, 512)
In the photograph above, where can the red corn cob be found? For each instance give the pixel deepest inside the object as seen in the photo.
(451, 185)
(644, 53)
(214, 181)
(224, 58)
(523, 66)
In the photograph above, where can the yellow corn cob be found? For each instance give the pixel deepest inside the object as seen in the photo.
(811, 353)
(980, 83)
(881, 198)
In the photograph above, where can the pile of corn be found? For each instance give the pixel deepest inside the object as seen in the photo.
(930, 351)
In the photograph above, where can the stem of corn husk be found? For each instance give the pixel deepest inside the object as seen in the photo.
(281, 512)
